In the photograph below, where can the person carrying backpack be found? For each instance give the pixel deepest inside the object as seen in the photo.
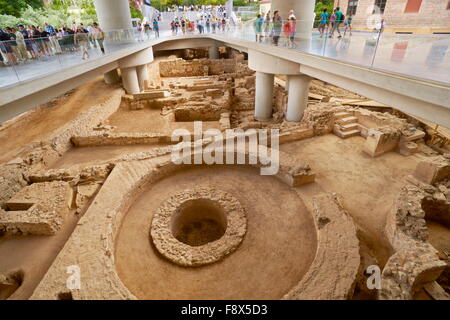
(348, 24)
(339, 19)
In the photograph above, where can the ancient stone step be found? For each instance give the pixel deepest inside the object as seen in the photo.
(345, 134)
(347, 120)
(340, 115)
(349, 127)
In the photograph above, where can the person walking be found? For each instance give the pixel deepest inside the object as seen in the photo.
(348, 24)
(339, 19)
(147, 30)
(267, 22)
(293, 31)
(99, 36)
(208, 24)
(277, 26)
(258, 27)
(183, 26)
(156, 28)
(214, 25)
(286, 34)
(323, 22)
(81, 39)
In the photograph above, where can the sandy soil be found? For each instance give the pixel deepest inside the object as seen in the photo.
(276, 252)
(150, 121)
(368, 185)
(41, 122)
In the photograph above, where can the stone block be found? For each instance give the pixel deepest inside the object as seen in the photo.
(408, 148)
(433, 170)
(381, 140)
(155, 94)
(213, 92)
(41, 209)
(296, 134)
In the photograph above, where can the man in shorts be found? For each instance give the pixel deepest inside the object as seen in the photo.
(323, 22)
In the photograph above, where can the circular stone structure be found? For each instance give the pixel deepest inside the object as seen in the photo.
(277, 250)
(199, 226)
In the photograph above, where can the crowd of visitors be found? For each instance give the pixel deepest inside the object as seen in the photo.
(329, 24)
(206, 19)
(274, 27)
(24, 43)
(147, 28)
(209, 24)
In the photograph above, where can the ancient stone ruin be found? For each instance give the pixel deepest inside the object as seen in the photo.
(359, 208)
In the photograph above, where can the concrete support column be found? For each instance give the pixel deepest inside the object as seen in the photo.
(130, 80)
(142, 74)
(303, 10)
(113, 14)
(298, 97)
(111, 77)
(264, 95)
(213, 52)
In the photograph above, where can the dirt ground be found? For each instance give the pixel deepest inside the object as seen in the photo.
(276, 252)
(41, 122)
(369, 186)
(151, 121)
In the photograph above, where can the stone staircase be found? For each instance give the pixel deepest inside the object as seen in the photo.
(346, 125)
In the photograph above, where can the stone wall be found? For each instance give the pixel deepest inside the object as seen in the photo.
(196, 68)
(415, 263)
(333, 273)
(13, 174)
(37, 209)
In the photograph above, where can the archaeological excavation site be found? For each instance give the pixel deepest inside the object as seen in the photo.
(94, 207)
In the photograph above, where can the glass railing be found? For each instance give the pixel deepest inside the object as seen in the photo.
(25, 59)
(425, 56)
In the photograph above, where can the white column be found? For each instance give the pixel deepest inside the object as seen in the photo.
(113, 14)
(297, 97)
(264, 95)
(303, 10)
(213, 52)
(111, 77)
(130, 80)
(142, 74)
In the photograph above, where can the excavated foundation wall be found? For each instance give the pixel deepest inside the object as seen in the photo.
(14, 174)
(195, 68)
(416, 264)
